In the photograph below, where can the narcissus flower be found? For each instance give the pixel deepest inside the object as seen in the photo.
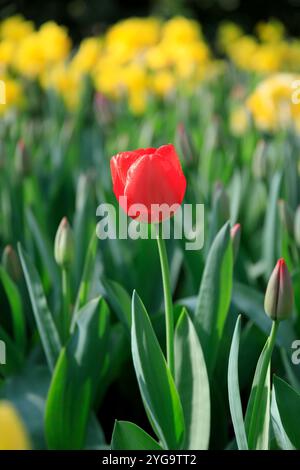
(13, 435)
(279, 296)
(148, 183)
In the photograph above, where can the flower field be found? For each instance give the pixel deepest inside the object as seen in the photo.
(122, 340)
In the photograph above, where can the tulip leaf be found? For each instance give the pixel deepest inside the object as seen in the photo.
(234, 390)
(17, 314)
(129, 436)
(77, 375)
(257, 423)
(214, 296)
(119, 300)
(43, 317)
(192, 384)
(280, 435)
(271, 236)
(288, 403)
(157, 387)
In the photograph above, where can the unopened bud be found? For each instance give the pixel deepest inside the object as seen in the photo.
(221, 202)
(64, 244)
(297, 226)
(235, 234)
(11, 263)
(286, 216)
(22, 161)
(185, 143)
(279, 298)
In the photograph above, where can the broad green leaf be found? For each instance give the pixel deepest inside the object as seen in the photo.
(76, 378)
(271, 237)
(259, 423)
(192, 384)
(234, 390)
(44, 320)
(17, 314)
(214, 296)
(288, 403)
(119, 300)
(129, 436)
(159, 394)
(280, 435)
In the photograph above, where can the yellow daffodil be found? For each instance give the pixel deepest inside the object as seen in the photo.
(13, 434)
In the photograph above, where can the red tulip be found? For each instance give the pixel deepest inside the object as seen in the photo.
(151, 178)
(279, 297)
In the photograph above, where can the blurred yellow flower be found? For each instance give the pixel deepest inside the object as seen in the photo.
(13, 435)
(181, 30)
(30, 58)
(239, 120)
(271, 103)
(12, 94)
(54, 42)
(163, 83)
(7, 50)
(270, 31)
(87, 55)
(227, 34)
(65, 82)
(15, 28)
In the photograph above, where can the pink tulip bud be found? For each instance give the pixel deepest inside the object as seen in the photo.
(279, 298)
(235, 234)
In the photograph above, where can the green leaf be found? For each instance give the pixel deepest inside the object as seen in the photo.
(77, 375)
(43, 317)
(119, 300)
(270, 236)
(214, 296)
(261, 421)
(280, 435)
(129, 436)
(15, 302)
(192, 384)
(234, 389)
(159, 394)
(288, 402)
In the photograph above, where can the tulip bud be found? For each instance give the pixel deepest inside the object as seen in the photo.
(64, 244)
(235, 234)
(279, 298)
(22, 162)
(297, 226)
(11, 263)
(286, 216)
(221, 202)
(185, 143)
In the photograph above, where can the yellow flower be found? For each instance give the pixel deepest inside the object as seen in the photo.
(267, 58)
(239, 121)
(11, 94)
(271, 103)
(87, 55)
(181, 30)
(7, 51)
(15, 28)
(13, 435)
(30, 59)
(163, 83)
(65, 81)
(54, 42)
(228, 33)
(241, 52)
(271, 31)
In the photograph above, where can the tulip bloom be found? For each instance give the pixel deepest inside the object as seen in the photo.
(279, 296)
(148, 183)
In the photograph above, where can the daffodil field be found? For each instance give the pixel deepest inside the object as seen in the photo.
(114, 341)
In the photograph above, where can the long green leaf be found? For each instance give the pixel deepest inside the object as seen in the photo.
(192, 384)
(77, 375)
(159, 394)
(214, 296)
(129, 436)
(234, 390)
(288, 402)
(271, 235)
(44, 320)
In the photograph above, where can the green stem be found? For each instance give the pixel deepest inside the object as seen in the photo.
(66, 303)
(168, 300)
(260, 386)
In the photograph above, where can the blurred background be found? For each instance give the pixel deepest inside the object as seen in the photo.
(86, 17)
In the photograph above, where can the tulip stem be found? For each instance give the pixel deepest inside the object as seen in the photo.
(265, 362)
(66, 303)
(168, 300)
